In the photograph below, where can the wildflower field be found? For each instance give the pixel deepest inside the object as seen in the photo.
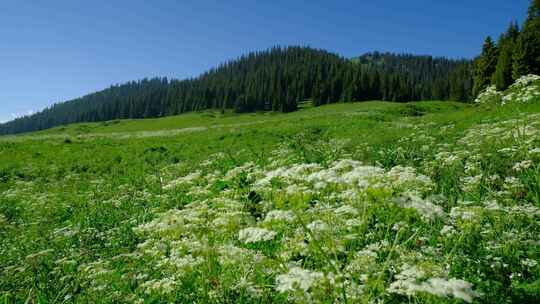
(375, 202)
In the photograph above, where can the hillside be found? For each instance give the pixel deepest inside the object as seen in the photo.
(212, 119)
(273, 80)
(438, 202)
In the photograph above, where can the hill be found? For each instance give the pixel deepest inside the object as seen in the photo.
(431, 202)
(273, 80)
(280, 79)
(212, 119)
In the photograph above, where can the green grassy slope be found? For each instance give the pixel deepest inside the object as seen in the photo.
(215, 119)
(444, 207)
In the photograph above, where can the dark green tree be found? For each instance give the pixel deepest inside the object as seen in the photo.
(485, 66)
(502, 78)
(526, 56)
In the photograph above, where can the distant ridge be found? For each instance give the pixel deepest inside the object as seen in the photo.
(273, 80)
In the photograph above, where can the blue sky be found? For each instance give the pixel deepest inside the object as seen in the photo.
(55, 50)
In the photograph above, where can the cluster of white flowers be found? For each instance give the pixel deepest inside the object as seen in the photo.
(170, 221)
(297, 279)
(450, 288)
(406, 280)
(523, 165)
(488, 95)
(512, 182)
(463, 213)
(424, 207)
(525, 89)
(318, 227)
(185, 180)
(523, 96)
(412, 280)
(279, 216)
(526, 80)
(163, 286)
(447, 230)
(254, 234)
(529, 263)
(447, 158)
(469, 183)
(350, 176)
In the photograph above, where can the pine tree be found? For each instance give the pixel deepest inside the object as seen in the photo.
(502, 78)
(526, 57)
(485, 66)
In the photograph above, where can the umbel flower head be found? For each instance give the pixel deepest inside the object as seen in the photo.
(253, 235)
(297, 279)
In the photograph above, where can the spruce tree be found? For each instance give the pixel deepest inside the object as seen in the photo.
(502, 78)
(526, 57)
(485, 66)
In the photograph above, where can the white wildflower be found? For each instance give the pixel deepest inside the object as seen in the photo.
(318, 226)
(525, 80)
(462, 213)
(279, 216)
(529, 263)
(447, 230)
(410, 281)
(399, 225)
(450, 288)
(353, 223)
(163, 286)
(186, 180)
(523, 165)
(253, 235)
(471, 182)
(511, 182)
(446, 158)
(297, 278)
(488, 95)
(427, 209)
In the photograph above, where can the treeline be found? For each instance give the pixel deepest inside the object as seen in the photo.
(516, 53)
(273, 80)
(409, 77)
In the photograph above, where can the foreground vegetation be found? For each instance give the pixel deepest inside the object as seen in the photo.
(429, 202)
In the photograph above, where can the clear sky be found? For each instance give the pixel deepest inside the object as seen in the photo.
(55, 50)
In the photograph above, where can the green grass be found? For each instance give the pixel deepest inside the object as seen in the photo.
(104, 212)
(215, 119)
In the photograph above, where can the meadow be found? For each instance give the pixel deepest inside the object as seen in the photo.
(373, 202)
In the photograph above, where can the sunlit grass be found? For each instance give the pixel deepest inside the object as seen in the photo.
(373, 202)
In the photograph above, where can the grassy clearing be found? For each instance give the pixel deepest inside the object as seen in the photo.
(429, 202)
(216, 119)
